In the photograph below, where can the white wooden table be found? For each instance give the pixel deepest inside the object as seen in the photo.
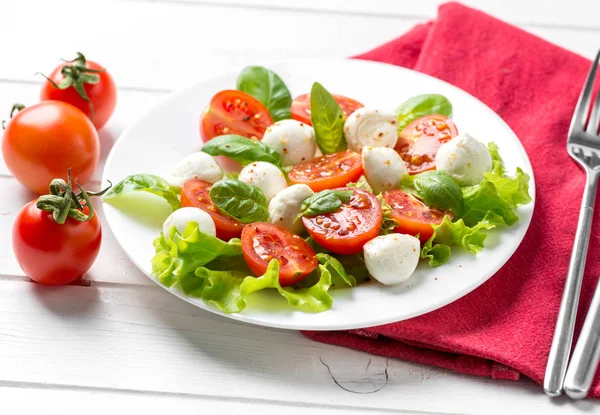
(123, 344)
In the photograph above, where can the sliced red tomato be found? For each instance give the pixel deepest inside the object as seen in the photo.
(413, 216)
(420, 140)
(329, 171)
(262, 242)
(234, 112)
(346, 230)
(301, 107)
(196, 193)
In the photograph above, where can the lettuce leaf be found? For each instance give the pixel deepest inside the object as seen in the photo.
(339, 276)
(450, 233)
(313, 299)
(513, 189)
(178, 255)
(484, 198)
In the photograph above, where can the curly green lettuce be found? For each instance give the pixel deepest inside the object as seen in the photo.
(205, 267)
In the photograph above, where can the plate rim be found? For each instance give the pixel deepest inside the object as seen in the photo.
(373, 322)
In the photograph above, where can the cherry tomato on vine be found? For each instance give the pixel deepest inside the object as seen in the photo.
(42, 141)
(84, 84)
(56, 244)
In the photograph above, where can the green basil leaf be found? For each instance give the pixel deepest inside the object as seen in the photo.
(421, 105)
(268, 88)
(144, 183)
(241, 201)
(436, 188)
(327, 119)
(324, 202)
(241, 149)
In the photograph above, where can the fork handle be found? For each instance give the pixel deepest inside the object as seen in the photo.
(563, 333)
(584, 362)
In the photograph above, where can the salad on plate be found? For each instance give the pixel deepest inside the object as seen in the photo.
(309, 195)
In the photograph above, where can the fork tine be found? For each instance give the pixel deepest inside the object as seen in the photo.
(592, 127)
(583, 105)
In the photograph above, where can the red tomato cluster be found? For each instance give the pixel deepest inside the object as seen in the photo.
(40, 144)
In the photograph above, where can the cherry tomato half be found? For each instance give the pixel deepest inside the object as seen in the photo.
(413, 216)
(329, 171)
(102, 94)
(51, 253)
(346, 230)
(301, 107)
(234, 112)
(43, 141)
(420, 140)
(196, 193)
(262, 242)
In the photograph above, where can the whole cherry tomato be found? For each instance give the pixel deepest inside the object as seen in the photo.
(56, 243)
(85, 85)
(42, 141)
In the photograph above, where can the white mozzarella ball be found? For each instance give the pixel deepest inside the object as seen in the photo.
(293, 140)
(181, 217)
(266, 176)
(285, 207)
(383, 168)
(195, 166)
(465, 159)
(369, 127)
(392, 259)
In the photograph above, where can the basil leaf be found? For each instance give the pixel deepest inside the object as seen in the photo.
(144, 183)
(327, 119)
(268, 88)
(325, 201)
(436, 188)
(241, 149)
(241, 201)
(421, 105)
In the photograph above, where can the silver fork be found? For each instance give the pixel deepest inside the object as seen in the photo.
(583, 145)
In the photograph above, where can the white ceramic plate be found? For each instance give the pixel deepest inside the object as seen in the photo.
(170, 131)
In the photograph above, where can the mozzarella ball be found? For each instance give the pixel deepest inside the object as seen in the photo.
(369, 127)
(195, 166)
(181, 217)
(392, 259)
(383, 168)
(285, 207)
(465, 159)
(293, 140)
(266, 176)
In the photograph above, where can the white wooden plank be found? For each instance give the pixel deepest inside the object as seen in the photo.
(575, 13)
(162, 45)
(145, 340)
(23, 399)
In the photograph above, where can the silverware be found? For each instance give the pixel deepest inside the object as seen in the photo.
(583, 145)
(584, 361)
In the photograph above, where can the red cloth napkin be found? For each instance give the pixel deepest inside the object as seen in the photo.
(505, 327)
